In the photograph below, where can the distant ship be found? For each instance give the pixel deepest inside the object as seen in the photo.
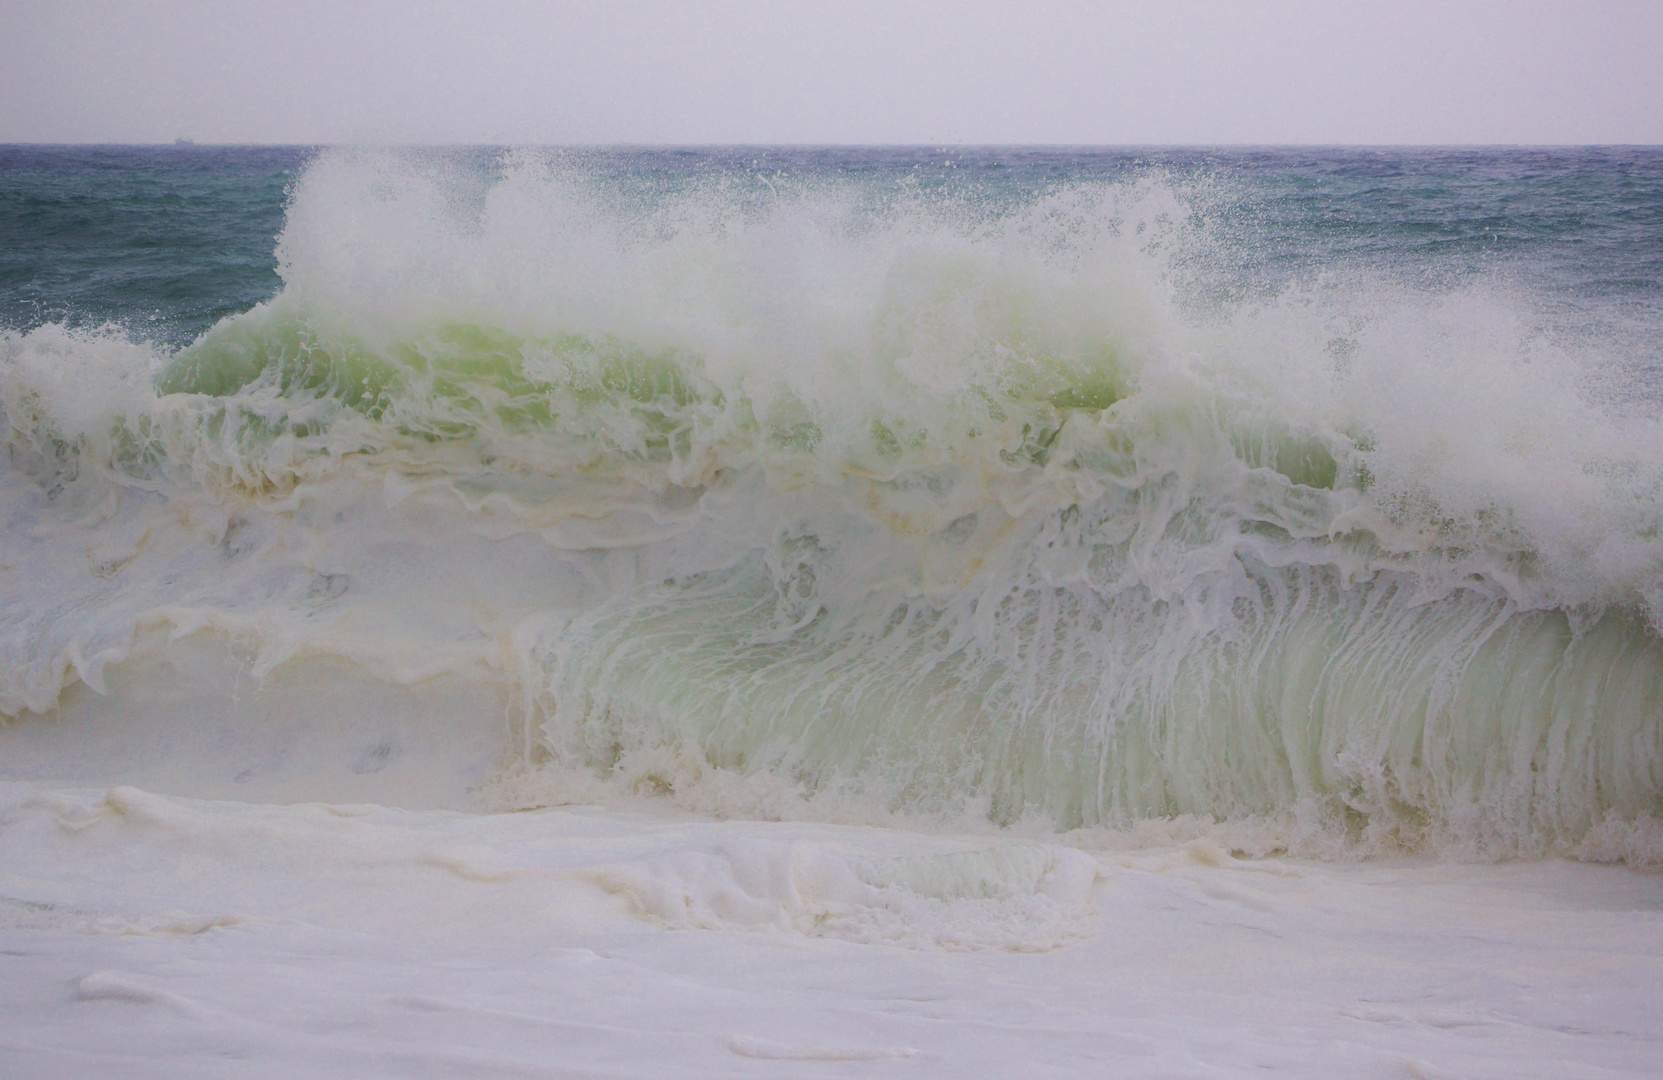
(184, 142)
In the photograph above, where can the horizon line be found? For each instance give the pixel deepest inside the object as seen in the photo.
(183, 144)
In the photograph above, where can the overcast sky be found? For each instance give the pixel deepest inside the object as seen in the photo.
(750, 71)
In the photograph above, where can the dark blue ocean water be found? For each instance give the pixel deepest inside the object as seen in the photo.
(166, 241)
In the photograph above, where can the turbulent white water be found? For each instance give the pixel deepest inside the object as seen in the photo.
(797, 507)
(952, 634)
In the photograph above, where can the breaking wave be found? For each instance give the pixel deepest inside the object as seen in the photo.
(926, 504)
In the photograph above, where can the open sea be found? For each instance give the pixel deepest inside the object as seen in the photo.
(754, 611)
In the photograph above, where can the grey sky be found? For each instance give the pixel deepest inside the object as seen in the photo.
(898, 72)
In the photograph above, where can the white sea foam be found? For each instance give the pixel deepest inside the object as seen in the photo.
(152, 934)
